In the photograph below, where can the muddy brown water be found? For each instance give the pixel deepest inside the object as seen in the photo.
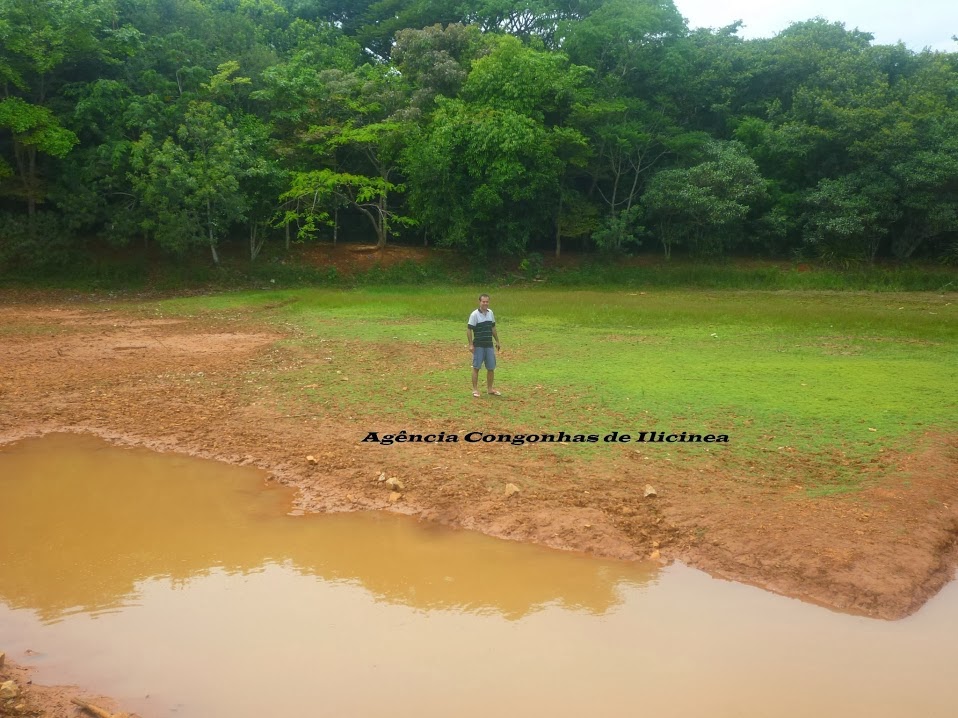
(181, 587)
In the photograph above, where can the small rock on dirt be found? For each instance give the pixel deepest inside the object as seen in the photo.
(511, 490)
(395, 484)
(382, 476)
(650, 491)
(9, 689)
(394, 497)
(655, 555)
(311, 460)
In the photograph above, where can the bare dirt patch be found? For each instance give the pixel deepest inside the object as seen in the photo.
(351, 259)
(201, 386)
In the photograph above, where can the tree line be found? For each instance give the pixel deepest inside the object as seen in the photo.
(491, 126)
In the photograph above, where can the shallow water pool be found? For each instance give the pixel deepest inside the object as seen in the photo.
(182, 587)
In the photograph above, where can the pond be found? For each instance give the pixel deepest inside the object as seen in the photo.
(182, 587)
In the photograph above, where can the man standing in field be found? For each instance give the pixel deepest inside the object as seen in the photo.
(481, 332)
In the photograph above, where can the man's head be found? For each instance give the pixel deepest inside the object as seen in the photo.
(483, 303)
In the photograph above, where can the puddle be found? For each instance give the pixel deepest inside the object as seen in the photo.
(182, 588)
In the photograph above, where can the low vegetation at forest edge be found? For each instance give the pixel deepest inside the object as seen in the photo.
(809, 387)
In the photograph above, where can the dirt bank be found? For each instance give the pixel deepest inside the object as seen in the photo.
(201, 386)
(28, 700)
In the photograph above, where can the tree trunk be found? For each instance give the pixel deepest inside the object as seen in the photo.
(25, 158)
(380, 233)
(377, 223)
(383, 228)
(666, 241)
(559, 227)
(335, 225)
(254, 246)
(209, 225)
(31, 183)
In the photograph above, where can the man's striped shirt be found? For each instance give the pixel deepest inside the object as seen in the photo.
(481, 325)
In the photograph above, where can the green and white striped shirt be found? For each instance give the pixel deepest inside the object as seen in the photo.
(481, 325)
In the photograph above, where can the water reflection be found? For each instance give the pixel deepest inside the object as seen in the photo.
(85, 522)
(192, 595)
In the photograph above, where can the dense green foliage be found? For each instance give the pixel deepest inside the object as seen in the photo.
(492, 126)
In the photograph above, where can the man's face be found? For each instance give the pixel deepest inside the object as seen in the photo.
(484, 304)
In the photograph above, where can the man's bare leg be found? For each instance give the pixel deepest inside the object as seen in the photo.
(490, 379)
(475, 379)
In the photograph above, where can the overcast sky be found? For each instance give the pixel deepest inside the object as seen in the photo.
(918, 23)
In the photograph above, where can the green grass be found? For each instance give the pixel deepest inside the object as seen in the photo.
(817, 382)
(680, 274)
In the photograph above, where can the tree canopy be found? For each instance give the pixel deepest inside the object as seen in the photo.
(494, 126)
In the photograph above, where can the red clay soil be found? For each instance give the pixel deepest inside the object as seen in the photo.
(34, 701)
(188, 385)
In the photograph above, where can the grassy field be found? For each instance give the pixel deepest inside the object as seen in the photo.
(805, 384)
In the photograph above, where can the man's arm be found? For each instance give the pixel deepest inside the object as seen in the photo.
(469, 336)
(495, 335)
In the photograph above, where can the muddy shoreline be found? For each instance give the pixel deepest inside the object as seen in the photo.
(200, 386)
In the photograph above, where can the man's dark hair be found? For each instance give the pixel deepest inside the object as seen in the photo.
(483, 295)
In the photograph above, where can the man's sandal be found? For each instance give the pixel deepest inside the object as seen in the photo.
(476, 394)
(495, 393)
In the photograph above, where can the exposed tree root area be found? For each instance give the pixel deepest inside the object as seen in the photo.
(201, 386)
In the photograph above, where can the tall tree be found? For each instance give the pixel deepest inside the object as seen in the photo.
(628, 140)
(623, 40)
(705, 206)
(436, 61)
(486, 172)
(482, 179)
(41, 44)
(192, 180)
